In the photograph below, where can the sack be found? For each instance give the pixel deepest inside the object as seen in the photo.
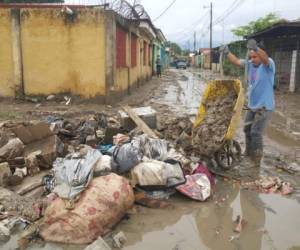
(99, 208)
(125, 157)
(197, 187)
(155, 175)
(153, 148)
(103, 166)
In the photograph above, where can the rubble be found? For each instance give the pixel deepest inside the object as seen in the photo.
(74, 161)
(5, 172)
(119, 240)
(98, 244)
(50, 97)
(29, 209)
(269, 184)
(209, 135)
(13, 148)
(147, 114)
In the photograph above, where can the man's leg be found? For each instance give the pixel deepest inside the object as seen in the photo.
(259, 124)
(249, 118)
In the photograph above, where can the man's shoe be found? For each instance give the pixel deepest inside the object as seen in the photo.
(256, 157)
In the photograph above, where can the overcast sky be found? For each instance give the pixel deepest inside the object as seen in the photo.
(181, 21)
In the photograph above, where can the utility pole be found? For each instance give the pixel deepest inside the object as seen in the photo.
(210, 40)
(195, 41)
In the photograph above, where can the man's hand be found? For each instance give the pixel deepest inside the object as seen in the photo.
(224, 49)
(252, 45)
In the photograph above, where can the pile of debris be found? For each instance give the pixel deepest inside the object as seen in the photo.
(75, 179)
(209, 135)
(269, 184)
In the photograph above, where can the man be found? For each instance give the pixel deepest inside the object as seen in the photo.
(261, 103)
(158, 66)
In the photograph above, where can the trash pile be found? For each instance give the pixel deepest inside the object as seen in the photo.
(72, 181)
(209, 135)
(269, 184)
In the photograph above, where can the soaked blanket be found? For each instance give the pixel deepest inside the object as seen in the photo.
(99, 208)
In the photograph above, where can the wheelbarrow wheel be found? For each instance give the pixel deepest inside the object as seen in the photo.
(228, 155)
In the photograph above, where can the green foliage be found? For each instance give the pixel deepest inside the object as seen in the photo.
(175, 48)
(31, 1)
(258, 25)
(239, 49)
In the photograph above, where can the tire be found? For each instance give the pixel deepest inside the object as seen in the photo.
(229, 155)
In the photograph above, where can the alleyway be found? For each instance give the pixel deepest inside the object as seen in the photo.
(272, 220)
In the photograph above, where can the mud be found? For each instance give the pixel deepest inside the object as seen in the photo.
(272, 220)
(208, 136)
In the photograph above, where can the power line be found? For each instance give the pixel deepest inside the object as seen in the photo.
(191, 27)
(226, 13)
(236, 4)
(169, 6)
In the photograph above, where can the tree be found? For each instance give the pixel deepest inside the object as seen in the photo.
(258, 25)
(175, 48)
(31, 1)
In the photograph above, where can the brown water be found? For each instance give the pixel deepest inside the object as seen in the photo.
(272, 223)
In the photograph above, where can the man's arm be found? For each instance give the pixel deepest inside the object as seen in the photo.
(231, 57)
(263, 56)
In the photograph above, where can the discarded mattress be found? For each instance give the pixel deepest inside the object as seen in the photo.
(100, 207)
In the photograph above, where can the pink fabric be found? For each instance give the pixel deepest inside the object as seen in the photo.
(202, 169)
(99, 208)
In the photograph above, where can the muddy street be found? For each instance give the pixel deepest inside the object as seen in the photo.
(271, 221)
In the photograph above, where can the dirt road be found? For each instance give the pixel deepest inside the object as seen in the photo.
(273, 221)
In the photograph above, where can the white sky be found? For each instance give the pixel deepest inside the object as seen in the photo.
(180, 22)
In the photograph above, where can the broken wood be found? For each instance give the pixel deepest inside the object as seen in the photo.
(139, 122)
(30, 187)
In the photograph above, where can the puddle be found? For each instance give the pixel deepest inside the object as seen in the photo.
(272, 223)
(184, 93)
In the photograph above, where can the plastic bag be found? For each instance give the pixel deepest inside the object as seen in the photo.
(157, 174)
(74, 172)
(153, 148)
(197, 187)
(125, 157)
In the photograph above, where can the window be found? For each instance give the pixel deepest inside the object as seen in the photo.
(121, 47)
(150, 54)
(145, 52)
(133, 50)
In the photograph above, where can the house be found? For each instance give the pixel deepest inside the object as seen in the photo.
(89, 51)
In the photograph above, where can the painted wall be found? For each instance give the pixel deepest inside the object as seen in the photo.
(75, 54)
(62, 55)
(6, 60)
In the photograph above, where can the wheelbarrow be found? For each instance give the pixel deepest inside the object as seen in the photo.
(228, 151)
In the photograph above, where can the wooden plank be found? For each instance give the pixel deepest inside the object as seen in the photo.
(139, 122)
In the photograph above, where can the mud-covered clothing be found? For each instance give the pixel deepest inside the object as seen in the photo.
(255, 124)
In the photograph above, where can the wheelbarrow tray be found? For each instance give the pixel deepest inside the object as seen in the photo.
(221, 88)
